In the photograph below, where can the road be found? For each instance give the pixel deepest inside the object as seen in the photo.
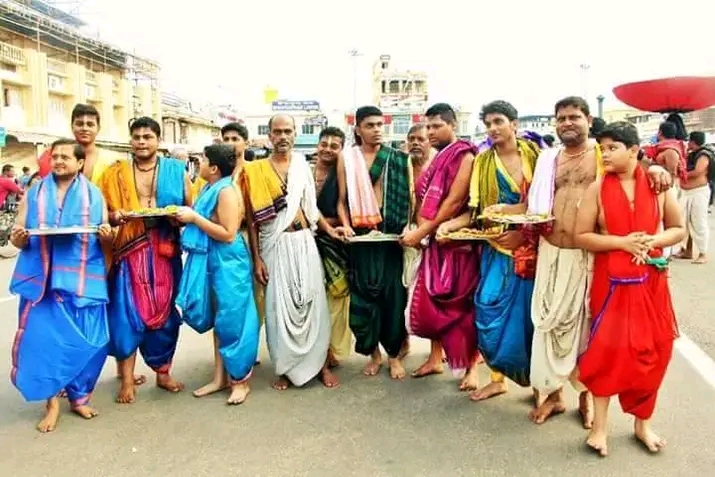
(368, 427)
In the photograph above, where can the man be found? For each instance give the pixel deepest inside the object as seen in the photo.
(502, 175)
(695, 198)
(24, 179)
(282, 215)
(558, 307)
(333, 252)
(62, 336)
(626, 225)
(373, 200)
(419, 148)
(146, 259)
(669, 152)
(216, 287)
(10, 193)
(441, 297)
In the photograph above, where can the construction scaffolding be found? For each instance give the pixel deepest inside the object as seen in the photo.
(57, 33)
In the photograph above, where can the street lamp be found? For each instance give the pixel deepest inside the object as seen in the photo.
(600, 98)
(354, 53)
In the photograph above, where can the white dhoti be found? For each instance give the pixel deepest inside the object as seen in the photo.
(560, 313)
(694, 203)
(296, 305)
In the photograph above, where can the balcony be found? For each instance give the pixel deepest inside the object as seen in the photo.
(115, 85)
(58, 68)
(57, 84)
(91, 77)
(11, 54)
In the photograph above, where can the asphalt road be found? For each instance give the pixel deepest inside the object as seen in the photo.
(369, 427)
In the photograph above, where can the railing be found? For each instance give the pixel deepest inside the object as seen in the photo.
(57, 67)
(90, 76)
(12, 54)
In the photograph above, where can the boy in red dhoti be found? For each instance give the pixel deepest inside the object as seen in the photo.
(633, 327)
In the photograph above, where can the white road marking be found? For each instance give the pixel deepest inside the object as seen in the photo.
(700, 361)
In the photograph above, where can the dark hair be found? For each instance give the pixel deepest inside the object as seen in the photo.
(81, 109)
(249, 155)
(499, 107)
(597, 126)
(238, 128)
(25, 169)
(34, 176)
(272, 118)
(668, 130)
(222, 156)
(573, 101)
(549, 140)
(621, 131)
(145, 122)
(361, 114)
(7, 167)
(444, 111)
(680, 131)
(698, 137)
(332, 131)
(415, 128)
(77, 150)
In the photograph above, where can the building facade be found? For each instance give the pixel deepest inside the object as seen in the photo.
(184, 125)
(47, 66)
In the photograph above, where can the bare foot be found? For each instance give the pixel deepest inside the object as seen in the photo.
(127, 392)
(470, 381)
(701, 259)
(139, 379)
(598, 442)
(332, 360)
(373, 366)
(480, 359)
(397, 371)
(648, 438)
(281, 384)
(683, 255)
(328, 379)
(62, 394)
(52, 415)
(210, 388)
(85, 411)
(428, 368)
(405, 349)
(239, 393)
(495, 388)
(585, 409)
(166, 382)
(553, 405)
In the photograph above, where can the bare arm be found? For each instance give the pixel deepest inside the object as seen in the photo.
(459, 222)
(701, 167)
(18, 236)
(670, 159)
(342, 193)
(227, 214)
(673, 222)
(454, 200)
(21, 218)
(586, 235)
(188, 196)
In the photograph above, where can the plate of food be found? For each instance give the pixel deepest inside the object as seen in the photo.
(475, 234)
(153, 212)
(519, 218)
(374, 236)
(41, 231)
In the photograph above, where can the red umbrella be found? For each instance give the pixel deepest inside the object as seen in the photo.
(669, 95)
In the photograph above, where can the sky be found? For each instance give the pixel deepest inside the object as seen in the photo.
(525, 52)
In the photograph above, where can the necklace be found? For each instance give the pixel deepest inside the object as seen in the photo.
(152, 189)
(574, 156)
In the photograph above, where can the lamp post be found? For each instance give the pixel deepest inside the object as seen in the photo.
(354, 54)
(600, 98)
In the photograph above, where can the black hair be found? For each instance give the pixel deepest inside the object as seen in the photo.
(238, 128)
(668, 130)
(25, 170)
(361, 114)
(499, 107)
(549, 140)
(332, 131)
(444, 111)
(7, 167)
(680, 131)
(621, 131)
(77, 150)
(145, 122)
(575, 102)
(222, 156)
(698, 137)
(81, 109)
(597, 126)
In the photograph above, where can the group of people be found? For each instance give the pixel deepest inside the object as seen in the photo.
(356, 246)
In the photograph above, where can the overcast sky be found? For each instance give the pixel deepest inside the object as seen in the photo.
(527, 52)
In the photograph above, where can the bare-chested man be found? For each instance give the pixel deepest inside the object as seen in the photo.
(559, 307)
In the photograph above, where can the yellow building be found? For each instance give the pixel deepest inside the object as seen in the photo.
(182, 125)
(47, 66)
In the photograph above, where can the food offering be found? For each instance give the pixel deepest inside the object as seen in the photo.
(43, 231)
(374, 236)
(475, 234)
(518, 219)
(153, 212)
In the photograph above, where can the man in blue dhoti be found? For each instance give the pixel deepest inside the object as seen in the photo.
(62, 338)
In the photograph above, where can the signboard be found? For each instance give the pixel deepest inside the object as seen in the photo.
(283, 105)
(306, 140)
(316, 121)
(3, 136)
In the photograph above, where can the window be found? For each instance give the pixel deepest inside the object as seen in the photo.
(307, 129)
(55, 83)
(263, 130)
(89, 91)
(401, 124)
(464, 127)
